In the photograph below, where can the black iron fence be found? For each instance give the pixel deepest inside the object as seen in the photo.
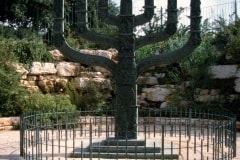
(162, 134)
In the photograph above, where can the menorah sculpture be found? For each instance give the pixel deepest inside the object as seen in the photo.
(126, 70)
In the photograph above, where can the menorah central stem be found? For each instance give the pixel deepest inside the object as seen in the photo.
(126, 103)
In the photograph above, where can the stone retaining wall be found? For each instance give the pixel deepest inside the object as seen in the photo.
(52, 77)
(9, 123)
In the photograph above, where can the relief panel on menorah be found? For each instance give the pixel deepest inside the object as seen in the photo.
(126, 24)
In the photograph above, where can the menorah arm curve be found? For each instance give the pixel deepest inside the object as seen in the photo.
(104, 14)
(165, 59)
(152, 38)
(170, 29)
(82, 58)
(98, 38)
(83, 30)
(147, 15)
(193, 42)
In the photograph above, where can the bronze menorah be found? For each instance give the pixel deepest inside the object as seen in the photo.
(126, 70)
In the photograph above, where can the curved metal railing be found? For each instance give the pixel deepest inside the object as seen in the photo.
(162, 134)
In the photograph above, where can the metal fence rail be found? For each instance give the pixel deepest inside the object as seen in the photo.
(162, 134)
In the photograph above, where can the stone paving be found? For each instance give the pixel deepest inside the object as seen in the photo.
(10, 145)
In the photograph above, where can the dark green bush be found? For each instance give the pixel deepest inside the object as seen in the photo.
(88, 98)
(11, 94)
(29, 51)
(38, 102)
(227, 40)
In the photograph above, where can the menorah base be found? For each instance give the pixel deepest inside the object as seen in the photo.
(123, 149)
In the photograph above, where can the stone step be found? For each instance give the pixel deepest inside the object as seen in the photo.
(123, 142)
(125, 155)
(125, 149)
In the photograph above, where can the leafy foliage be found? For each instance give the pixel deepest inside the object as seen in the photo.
(11, 94)
(227, 40)
(29, 51)
(25, 13)
(38, 102)
(88, 98)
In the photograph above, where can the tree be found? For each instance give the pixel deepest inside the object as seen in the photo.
(11, 94)
(24, 13)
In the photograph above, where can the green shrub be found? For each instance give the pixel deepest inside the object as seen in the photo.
(38, 102)
(11, 94)
(88, 98)
(29, 51)
(227, 40)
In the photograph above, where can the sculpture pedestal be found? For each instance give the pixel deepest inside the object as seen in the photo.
(124, 149)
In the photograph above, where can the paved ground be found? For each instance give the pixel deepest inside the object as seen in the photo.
(9, 145)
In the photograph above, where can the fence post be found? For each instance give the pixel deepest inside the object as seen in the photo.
(234, 130)
(236, 12)
(21, 135)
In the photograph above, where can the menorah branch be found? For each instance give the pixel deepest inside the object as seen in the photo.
(170, 29)
(186, 50)
(165, 59)
(104, 13)
(84, 32)
(76, 56)
(70, 53)
(100, 39)
(147, 15)
(151, 38)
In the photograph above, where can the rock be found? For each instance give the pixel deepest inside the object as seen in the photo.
(111, 54)
(141, 80)
(104, 71)
(51, 83)
(81, 82)
(20, 69)
(104, 83)
(223, 71)
(203, 98)
(114, 53)
(147, 74)
(32, 78)
(157, 94)
(46, 85)
(238, 126)
(228, 56)
(160, 75)
(164, 105)
(68, 69)
(56, 54)
(33, 88)
(152, 81)
(9, 123)
(215, 92)
(92, 74)
(237, 85)
(184, 85)
(38, 68)
(238, 74)
(200, 91)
